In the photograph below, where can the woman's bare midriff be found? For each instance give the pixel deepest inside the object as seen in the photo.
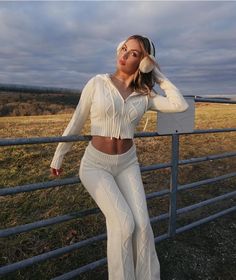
(112, 145)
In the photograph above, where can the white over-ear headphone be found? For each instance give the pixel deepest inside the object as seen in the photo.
(148, 63)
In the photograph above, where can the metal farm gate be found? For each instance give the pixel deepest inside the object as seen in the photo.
(171, 193)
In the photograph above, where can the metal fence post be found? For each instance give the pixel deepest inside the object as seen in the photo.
(173, 191)
(173, 185)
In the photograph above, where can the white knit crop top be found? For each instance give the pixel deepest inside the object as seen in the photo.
(111, 115)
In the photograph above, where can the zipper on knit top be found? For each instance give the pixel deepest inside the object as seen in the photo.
(111, 84)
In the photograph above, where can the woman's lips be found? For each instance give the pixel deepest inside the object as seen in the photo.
(122, 62)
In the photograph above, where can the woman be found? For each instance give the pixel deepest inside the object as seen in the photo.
(109, 169)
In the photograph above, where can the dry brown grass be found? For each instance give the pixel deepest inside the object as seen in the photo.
(207, 252)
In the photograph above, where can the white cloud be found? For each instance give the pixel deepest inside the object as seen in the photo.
(63, 43)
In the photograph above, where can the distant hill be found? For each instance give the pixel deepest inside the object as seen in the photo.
(221, 96)
(29, 104)
(25, 103)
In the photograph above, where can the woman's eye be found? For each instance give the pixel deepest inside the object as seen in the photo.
(134, 54)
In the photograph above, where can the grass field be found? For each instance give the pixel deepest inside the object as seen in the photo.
(207, 252)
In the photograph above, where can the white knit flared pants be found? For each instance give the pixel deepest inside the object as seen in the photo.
(115, 183)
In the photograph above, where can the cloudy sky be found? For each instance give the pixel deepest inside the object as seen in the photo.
(64, 43)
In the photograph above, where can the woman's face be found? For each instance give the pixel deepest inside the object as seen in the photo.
(129, 57)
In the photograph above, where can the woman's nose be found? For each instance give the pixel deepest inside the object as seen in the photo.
(125, 55)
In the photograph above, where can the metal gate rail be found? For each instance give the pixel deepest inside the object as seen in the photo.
(172, 193)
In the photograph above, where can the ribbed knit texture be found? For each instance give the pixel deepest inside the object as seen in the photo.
(111, 115)
(115, 183)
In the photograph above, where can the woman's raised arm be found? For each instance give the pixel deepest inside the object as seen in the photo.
(172, 102)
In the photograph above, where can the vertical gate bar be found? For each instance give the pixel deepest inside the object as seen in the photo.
(173, 185)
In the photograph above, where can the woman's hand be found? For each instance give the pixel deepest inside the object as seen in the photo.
(56, 172)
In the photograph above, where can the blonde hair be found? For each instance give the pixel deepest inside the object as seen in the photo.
(143, 82)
